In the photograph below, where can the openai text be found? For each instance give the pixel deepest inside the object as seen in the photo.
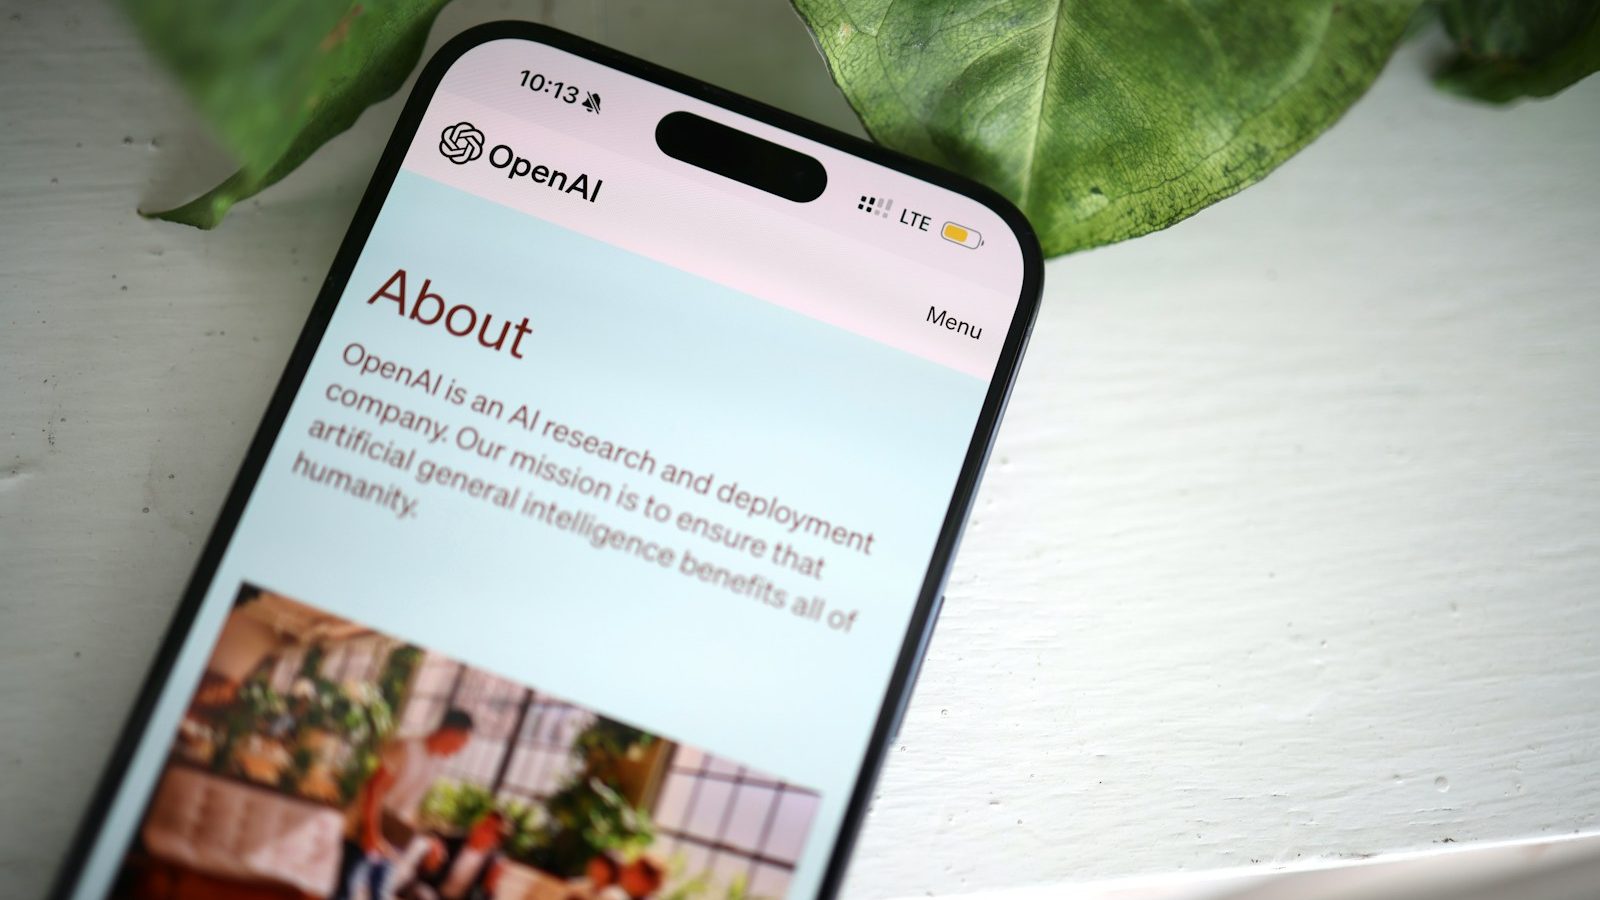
(503, 157)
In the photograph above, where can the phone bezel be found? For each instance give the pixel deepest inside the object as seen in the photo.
(923, 616)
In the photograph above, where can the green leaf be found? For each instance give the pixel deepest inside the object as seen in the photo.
(1510, 49)
(1104, 119)
(277, 80)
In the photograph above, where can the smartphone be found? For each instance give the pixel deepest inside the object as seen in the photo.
(596, 529)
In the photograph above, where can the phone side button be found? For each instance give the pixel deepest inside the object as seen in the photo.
(916, 668)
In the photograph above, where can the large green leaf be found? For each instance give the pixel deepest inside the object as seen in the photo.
(1104, 119)
(277, 80)
(1511, 49)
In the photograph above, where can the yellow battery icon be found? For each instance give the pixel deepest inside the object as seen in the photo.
(960, 234)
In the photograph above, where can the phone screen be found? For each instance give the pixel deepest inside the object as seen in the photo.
(594, 535)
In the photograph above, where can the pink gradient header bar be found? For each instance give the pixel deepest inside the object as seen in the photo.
(874, 275)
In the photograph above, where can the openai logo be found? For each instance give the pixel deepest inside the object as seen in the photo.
(461, 143)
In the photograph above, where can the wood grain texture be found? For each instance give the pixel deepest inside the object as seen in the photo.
(1290, 548)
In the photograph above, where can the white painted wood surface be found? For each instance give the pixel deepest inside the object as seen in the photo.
(1290, 549)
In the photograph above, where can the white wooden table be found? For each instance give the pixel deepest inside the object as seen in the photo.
(1290, 549)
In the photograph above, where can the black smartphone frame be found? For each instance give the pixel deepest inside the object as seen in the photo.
(924, 615)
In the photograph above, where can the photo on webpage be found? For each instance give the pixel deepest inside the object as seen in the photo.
(322, 758)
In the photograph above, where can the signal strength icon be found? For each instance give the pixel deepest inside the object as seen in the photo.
(875, 205)
(591, 101)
